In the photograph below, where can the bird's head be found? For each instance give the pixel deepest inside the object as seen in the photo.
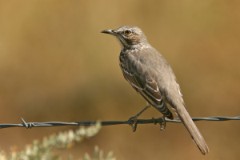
(128, 36)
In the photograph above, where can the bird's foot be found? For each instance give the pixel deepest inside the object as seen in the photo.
(133, 122)
(162, 122)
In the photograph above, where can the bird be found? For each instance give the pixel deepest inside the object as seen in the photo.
(149, 73)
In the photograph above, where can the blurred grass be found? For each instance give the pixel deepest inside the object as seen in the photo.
(55, 65)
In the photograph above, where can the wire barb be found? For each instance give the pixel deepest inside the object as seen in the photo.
(30, 125)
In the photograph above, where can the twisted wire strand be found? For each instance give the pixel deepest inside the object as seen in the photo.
(28, 125)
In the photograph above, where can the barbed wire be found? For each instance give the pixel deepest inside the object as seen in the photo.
(108, 123)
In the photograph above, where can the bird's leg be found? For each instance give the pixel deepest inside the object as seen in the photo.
(133, 119)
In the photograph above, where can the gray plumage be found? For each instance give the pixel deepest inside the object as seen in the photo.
(150, 74)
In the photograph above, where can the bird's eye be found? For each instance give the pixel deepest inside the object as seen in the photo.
(127, 32)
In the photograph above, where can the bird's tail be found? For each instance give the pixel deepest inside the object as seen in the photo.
(192, 129)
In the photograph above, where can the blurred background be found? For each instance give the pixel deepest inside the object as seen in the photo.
(55, 65)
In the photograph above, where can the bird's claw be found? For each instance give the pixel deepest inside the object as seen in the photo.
(161, 121)
(133, 123)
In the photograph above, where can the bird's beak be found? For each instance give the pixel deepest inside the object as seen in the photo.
(109, 31)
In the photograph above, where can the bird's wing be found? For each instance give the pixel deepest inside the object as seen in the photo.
(144, 84)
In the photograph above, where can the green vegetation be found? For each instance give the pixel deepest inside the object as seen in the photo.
(45, 149)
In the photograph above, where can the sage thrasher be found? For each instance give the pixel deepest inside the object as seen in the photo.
(150, 75)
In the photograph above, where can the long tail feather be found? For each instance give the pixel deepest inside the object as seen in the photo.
(192, 129)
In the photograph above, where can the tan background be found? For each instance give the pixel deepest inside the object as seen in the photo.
(55, 65)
